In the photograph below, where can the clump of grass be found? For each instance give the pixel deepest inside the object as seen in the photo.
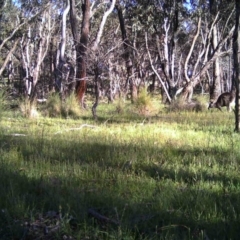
(3, 103)
(57, 108)
(180, 105)
(71, 107)
(54, 105)
(29, 108)
(144, 103)
(120, 106)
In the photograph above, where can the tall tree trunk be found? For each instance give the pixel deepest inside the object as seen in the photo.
(236, 58)
(81, 84)
(62, 68)
(216, 87)
(127, 56)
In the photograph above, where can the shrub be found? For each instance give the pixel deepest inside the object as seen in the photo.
(54, 105)
(69, 108)
(182, 105)
(144, 103)
(28, 108)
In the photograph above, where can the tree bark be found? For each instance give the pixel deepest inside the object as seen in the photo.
(81, 84)
(216, 87)
(62, 66)
(127, 56)
(8, 56)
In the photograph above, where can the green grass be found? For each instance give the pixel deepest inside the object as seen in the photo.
(169, 175)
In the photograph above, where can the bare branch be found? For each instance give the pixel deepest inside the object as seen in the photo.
(100, 30)
(191, 49)
(155, 71)
(21, 25)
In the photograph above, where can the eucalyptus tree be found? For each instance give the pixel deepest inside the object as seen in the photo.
(34, 44)
(128, 55)
(88, 44)
(161, 22)
(213, 35)
(94, 48)
(62, 67)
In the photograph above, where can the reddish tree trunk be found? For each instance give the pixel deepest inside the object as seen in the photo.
(81, 54)
(81, 47)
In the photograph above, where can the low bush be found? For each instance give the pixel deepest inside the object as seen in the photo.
(55, 107)
(144, 103)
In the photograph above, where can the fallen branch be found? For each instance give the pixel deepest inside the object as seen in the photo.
(43, 100)
(102, 218)
(79, 128)
(18, 135)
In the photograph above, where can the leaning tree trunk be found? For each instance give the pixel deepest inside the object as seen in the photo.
(7, 59)
(187, 91)
(94, 49)
(236, 58)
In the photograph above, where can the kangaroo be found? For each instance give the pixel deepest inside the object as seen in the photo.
(226, 99)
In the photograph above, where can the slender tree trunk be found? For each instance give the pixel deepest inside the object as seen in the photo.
(155, 71)
(127, 57)
(62, 73)
(94, 48)
(25, 51)
(216, 87)
(97, 87)
(51, 68)
(8, 56)
(188, 88)
(236, 58)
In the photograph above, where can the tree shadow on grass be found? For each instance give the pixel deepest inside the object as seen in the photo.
(146, 199)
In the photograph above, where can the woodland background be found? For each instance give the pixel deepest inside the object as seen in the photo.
(114, 48)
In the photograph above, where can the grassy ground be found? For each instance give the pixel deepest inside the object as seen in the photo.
(167, 175)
